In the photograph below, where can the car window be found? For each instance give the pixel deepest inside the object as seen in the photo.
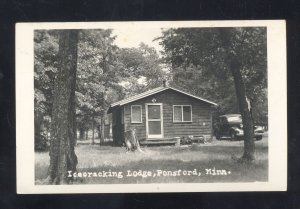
(234, 119)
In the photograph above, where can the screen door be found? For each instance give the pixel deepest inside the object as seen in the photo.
(154, 120)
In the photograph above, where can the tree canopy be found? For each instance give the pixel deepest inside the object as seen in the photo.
(105, 74)
(142, 67)
(199, 62)
(210, 61)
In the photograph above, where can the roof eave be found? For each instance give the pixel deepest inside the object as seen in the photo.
(126, 101)
(110, 109)
(196, 97)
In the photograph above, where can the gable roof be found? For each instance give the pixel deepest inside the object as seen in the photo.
(152, 92)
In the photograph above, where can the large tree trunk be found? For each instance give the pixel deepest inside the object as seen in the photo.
(249, 144)
(235, 65)
(63, 132)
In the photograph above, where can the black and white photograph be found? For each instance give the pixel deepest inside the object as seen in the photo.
(151, 106)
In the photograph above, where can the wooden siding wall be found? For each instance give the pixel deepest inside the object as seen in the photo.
(201, 115)
(139, 127)
(117, 127)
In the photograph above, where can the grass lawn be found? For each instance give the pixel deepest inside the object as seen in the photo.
(217, 155)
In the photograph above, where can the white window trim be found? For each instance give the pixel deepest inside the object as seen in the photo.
(141, 114)
(182, 121)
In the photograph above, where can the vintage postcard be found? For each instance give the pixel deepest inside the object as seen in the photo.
(177, 106)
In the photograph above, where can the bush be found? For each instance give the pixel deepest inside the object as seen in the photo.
(40, 143)
(185, 140)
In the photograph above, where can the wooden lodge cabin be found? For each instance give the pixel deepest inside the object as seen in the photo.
(161, 115)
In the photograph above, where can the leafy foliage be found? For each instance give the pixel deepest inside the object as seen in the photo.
(142, 67)
(218, 53)
(45, 68)
(105, 74)
(199, 63)
(98, 74)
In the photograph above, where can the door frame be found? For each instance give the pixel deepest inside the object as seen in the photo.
(161, 121)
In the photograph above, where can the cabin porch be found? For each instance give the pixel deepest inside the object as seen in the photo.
(171, 141)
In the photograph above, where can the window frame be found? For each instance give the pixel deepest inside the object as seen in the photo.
(154, 136)
(141, 115)
(181, 107)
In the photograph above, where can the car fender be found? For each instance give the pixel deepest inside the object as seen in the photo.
(236, 129)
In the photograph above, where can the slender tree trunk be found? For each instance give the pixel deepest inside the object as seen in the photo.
(107, 131)
(75, 129)
(98, 130)
(86, 134)
(102, 128)
(102, 125)
(249, 144)
(63, 132)
(38, 140)
(81, 133)
(93, 130)
(102, 118)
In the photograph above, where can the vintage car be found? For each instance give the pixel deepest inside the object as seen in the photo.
(231, 125)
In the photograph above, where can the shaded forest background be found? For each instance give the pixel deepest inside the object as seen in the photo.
(192, 60)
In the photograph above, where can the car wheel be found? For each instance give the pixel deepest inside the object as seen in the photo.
(258, 138)
(233, 135)
(218, 136)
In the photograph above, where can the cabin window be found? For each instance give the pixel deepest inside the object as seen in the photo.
(182, 113)
(136, 114)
